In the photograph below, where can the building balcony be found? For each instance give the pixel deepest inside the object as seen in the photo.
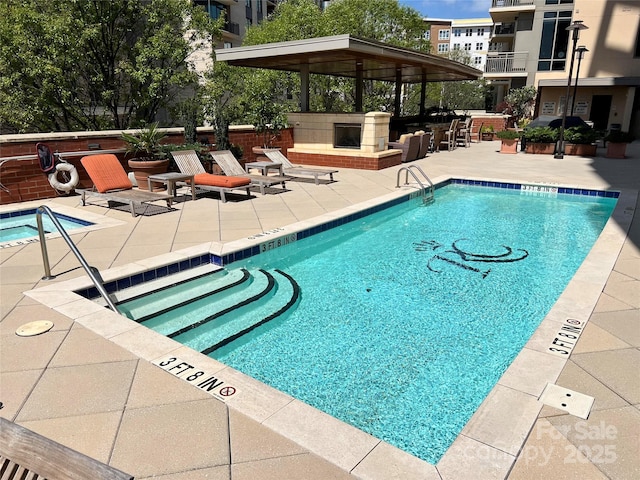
(501, 29)
(506, 10)
(506, 63)
(232, 27)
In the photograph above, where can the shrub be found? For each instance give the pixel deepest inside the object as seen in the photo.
(580, 135)
(540, 134)
(618, 136)
(508, 135)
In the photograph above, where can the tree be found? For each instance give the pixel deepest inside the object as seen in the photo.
(521, 101)
(92, 64)
(461, 95)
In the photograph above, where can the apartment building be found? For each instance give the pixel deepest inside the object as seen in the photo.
(472, 35)
(531, 45)
(239, 15)
(439, 34)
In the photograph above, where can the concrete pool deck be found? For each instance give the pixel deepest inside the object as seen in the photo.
(106, 399)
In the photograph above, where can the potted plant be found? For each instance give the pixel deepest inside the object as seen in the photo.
(580, 141)
(146, 151)
(617, 143)
(509, 141)
(540, 139)
(487, 132)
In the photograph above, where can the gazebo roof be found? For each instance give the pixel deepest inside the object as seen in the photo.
(347, 56)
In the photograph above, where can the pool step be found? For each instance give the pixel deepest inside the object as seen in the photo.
(159, 301)
(242, 320)
(213, 309)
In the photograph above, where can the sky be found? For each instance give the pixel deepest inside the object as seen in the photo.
(450, 9)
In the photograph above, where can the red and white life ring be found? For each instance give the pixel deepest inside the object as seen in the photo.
(69, 185)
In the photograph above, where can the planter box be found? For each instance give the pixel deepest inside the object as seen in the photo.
(580, 149)
(616, 150)
(542, 148)
(487, 136)
(509, 146)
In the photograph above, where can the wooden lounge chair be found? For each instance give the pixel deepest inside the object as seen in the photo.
(25, 454)
(289, 169)
(189, 163)
(463, 134)
(230, 166)
(112, 183)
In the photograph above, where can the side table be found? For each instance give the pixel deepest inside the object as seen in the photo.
(264, 167)
(170, 179)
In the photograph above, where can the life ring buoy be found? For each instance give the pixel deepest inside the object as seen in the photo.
(67, 186)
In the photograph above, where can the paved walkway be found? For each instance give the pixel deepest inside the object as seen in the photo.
(86, 392)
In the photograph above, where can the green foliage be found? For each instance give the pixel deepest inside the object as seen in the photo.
(521, 101)
(145, 143)
(508, 135)
(487, 129)
(540, 135)
(87, 65)
(263, 105)
(617, 136)
(580, 135)
(464, 95)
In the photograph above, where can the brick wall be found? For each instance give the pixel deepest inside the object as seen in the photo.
(25, 181)
(344, 161)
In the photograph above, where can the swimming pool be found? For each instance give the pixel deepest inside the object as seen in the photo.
(435, 291)
(22, 225)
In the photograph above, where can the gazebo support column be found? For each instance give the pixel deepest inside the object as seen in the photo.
(398, 92)
(304, 87)
(359, 82)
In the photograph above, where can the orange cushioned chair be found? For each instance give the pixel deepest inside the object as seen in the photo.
(112, 183)
(189, 164)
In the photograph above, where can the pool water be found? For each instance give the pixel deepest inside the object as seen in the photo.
(22, 224)
(408, 318)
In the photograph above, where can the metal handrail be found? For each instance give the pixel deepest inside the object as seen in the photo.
(408, 170)
(93, 272)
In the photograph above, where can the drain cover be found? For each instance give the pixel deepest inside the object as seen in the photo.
(575, 403)
(34, 328)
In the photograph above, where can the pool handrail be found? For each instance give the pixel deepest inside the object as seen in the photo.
(92, 272)
(409, 170)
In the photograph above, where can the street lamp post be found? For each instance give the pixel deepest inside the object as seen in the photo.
(575, 27)
(580, 51)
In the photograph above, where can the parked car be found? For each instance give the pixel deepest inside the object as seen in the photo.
(555, 123)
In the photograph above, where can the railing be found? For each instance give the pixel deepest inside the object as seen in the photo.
(506, 62)
(232, 27)
(93, 272)
(427, 197)
(505, 29)
(510, 3)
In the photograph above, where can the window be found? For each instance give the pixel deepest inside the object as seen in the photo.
(443, 47)
(477, 60)
(443, 35)
(457, 32)
(468, 32)
(479, 46)
(555, 41)
(214, 9)
(480, 32)
(467, 47)
(427, 35)
(556, 2)
(456, 46)
(228, 45)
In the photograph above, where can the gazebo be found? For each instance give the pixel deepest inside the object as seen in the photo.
(318, 137)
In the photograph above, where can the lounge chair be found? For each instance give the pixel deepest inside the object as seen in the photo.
(463, 134)
(230, 166)
(289, 169)
(112, 183)
(26, 454)
(189, 163)
(409, 144)
(426, 143)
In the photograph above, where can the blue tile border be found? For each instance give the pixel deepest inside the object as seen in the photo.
(32, 211)
(211, 258)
